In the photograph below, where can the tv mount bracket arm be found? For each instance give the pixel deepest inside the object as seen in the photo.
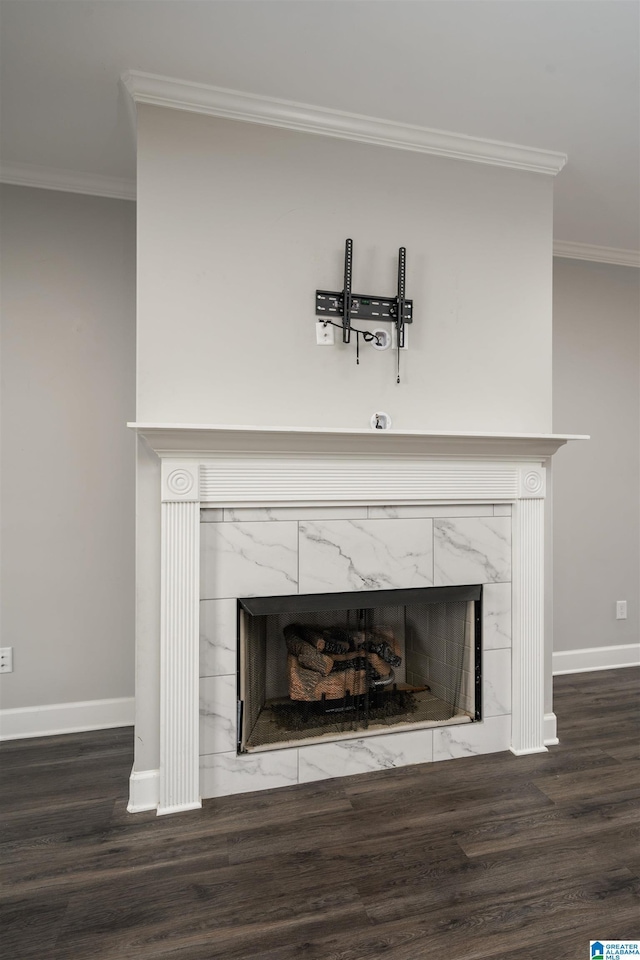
(350, 306)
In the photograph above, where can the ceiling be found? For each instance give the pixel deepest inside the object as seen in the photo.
(562, 75)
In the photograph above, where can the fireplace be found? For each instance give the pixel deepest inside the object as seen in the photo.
(251, 513)
(329, 666)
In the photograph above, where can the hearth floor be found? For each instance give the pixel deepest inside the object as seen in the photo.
(430, 711)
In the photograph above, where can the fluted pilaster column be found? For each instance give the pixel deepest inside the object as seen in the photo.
(527, 724)
(180, 633)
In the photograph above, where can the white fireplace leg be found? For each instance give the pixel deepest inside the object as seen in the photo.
(180, 637)
(527, 724)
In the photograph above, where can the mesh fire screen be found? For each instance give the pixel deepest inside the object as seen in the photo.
(325, 665)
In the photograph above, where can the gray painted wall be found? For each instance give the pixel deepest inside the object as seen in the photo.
(596, 485)
(68, 368)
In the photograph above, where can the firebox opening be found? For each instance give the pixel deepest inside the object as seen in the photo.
(328, 666)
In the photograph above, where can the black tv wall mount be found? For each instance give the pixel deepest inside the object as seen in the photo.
(348, 306)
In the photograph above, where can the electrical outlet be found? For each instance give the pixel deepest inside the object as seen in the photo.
(324, 334)
(621, 609)
(6, 659)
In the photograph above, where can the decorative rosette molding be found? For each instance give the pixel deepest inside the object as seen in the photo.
(533, 483)
(180, 480)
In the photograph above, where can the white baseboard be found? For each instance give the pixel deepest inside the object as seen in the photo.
(180, 808)
(144, 790)
(596, 658)
(550, 730)
(55, 718)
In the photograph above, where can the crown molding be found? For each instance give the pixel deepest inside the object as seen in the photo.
(586, 251)
(147, 88)
(68, 181)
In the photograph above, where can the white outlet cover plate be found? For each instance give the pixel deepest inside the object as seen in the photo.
(325, 334)
(6, 659)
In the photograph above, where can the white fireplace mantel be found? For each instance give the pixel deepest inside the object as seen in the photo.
(202, 440)
(238, 466)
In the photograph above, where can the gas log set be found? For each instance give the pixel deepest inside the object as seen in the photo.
(334, 663)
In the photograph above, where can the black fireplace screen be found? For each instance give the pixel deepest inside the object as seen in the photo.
(318, 666)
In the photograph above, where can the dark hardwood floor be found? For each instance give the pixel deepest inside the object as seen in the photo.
(487, 857)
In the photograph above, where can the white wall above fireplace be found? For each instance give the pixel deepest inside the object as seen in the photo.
(240, 223)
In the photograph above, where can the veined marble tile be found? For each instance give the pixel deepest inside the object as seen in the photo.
(242, 514)
(471, 739)
(472, 550)
(496, 683)
(218, 637)
(502, 510)
(211, 514)
(218, 714)
(223, 774)
(365, 555)
(248, 559)
(496, 616)
(413, 511)
(346, 757)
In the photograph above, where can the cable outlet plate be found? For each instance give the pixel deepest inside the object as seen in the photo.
(380, 421)
(382, 341)
(6, 659)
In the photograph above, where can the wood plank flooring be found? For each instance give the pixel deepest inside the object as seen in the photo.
(484, 858)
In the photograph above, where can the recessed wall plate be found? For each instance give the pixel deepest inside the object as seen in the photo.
(380, 421)
(382, 341)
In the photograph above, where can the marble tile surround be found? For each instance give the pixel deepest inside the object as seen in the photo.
(473, 550)
(337, 555)
(264, 551)
(248, 559)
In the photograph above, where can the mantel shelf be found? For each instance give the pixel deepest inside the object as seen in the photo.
(203, 440)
